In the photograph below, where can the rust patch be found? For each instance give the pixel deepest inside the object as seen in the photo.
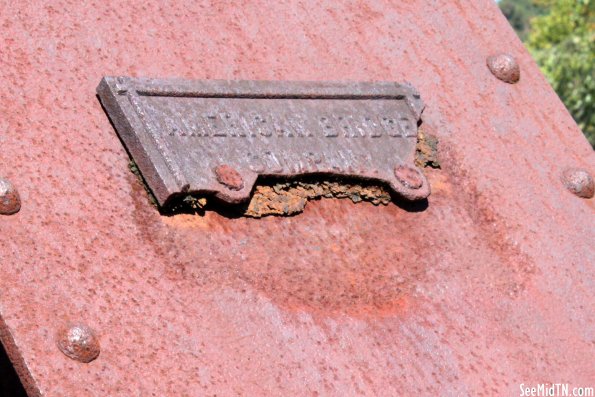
(353, 270)
(426, 151)
(350, 270)
(291, 198)
(229, 177)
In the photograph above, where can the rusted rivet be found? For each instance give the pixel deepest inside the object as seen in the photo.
(10, 201)
(229, 177)
(409, 176)
(78, 342)
(505, 67)
(579, 182)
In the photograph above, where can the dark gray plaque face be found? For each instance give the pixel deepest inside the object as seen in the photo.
(217, 137)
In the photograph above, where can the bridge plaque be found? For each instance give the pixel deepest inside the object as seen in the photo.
(216, 137)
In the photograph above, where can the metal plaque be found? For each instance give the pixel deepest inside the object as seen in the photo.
(216, 137)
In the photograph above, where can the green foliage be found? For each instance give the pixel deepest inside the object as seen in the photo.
(563, 44)
(561, 36)
(519, 14)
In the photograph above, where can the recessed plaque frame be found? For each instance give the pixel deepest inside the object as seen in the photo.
(215, 137)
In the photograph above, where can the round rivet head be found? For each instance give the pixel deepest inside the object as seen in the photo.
(78, 342)
(579, 182)
(229, 177)
(505, 67)
(10, 202)
(408, 176)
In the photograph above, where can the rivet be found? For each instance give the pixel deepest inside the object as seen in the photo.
(79, 342)
(579, 182)
(409, 176)
(229, 177)
(10, 201)
(505, 67)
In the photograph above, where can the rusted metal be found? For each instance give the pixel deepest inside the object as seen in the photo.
(505, 67)
(484, 286)
(10, 201)
(178, 130)
(79, 342)
(579, 182)
(409, 176)
(229, 177)
(290, 198)
(426, 153)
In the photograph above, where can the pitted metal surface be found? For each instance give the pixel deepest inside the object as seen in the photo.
(485, 285)
(183, 134)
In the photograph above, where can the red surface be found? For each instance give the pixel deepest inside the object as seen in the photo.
(490, 286)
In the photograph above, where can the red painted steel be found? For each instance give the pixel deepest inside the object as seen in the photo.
(488, 287)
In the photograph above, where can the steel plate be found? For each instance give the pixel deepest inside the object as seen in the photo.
(487, 286)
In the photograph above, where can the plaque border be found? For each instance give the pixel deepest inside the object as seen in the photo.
(120, 97)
